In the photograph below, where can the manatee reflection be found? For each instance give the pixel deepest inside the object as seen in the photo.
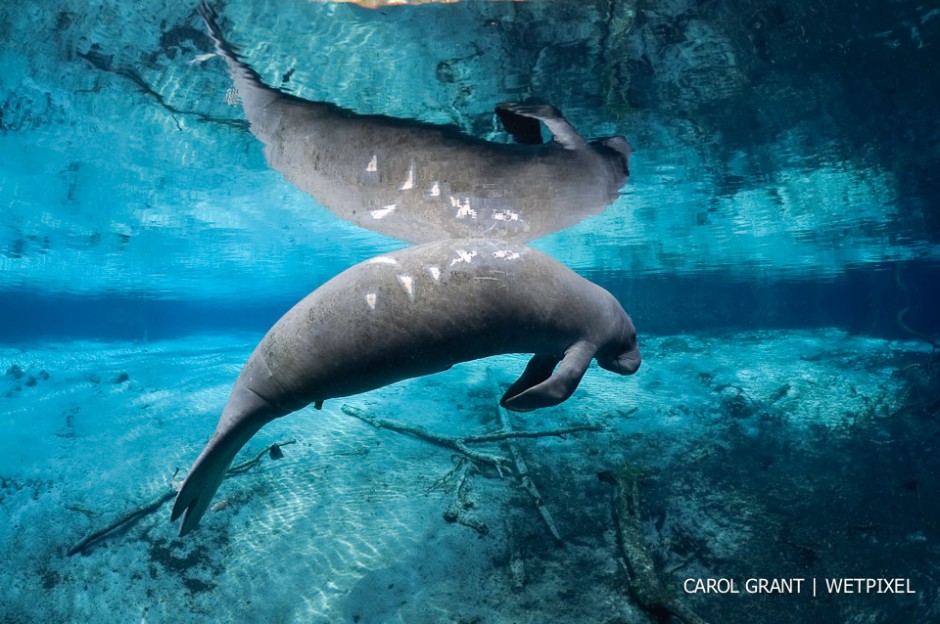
(420, 182)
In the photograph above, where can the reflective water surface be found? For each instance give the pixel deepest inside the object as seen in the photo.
(777, 246)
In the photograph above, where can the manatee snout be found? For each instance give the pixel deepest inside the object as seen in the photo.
(625, 363)
(623, 357)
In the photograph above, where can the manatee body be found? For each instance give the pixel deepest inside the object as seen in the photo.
(420, 182)
(415, 312)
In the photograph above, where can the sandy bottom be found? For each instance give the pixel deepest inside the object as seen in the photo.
(775, 455)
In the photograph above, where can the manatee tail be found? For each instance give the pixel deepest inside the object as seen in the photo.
(206, 475)
(255, 95)
(245, 413)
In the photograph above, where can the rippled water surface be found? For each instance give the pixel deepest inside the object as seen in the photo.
(777, 245)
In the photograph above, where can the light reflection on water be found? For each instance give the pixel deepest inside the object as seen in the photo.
(106, 188)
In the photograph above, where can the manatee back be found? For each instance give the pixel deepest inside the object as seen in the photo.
(421, 310)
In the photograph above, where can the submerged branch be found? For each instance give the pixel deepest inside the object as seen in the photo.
(460, 506)
(644, 583)
(124, 521)
(521, 467)
(129, 518)
(105, 63)
(459, 443)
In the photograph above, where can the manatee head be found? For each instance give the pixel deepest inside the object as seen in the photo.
(622, 355)
(616, 152)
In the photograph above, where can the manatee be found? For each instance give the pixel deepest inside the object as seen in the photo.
(420, 182)
(415, 312)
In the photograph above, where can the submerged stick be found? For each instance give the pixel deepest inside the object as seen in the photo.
(126, 519)
(460, 506)
(459, 443)
(132, 516)
(644, 584)
(454, 443)
(521, 467)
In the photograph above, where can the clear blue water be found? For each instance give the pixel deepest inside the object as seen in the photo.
(778, 247)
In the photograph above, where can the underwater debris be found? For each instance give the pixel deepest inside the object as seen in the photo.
(82, 510)
(644, 583)
(521, 467)
(459, 443)
(129, 518)
(458, 512)
(124, 521)
(779, 393)
(28, 378)
(105, 63)
(516, 562)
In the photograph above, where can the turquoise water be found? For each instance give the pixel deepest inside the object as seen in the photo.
(776, 247)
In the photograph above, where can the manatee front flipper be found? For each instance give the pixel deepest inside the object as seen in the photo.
(539, 386)
(564, 132)
(524, 129)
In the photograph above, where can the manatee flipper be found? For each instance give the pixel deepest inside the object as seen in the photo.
(542, 386)
(564, 132)
(538, 369)
(525, 130)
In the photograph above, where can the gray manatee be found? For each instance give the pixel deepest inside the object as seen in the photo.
(414, 312)
(419, 182)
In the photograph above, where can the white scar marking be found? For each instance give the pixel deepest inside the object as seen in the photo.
(408, 283)
(506, 215)
(202, 58)
(463, 256)
(410, 182)
(436, 190)
(463, 208)
(373, 164)
(506, 254)
(382, 260)
(383, 212)
(371, 299)
(435, 273)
